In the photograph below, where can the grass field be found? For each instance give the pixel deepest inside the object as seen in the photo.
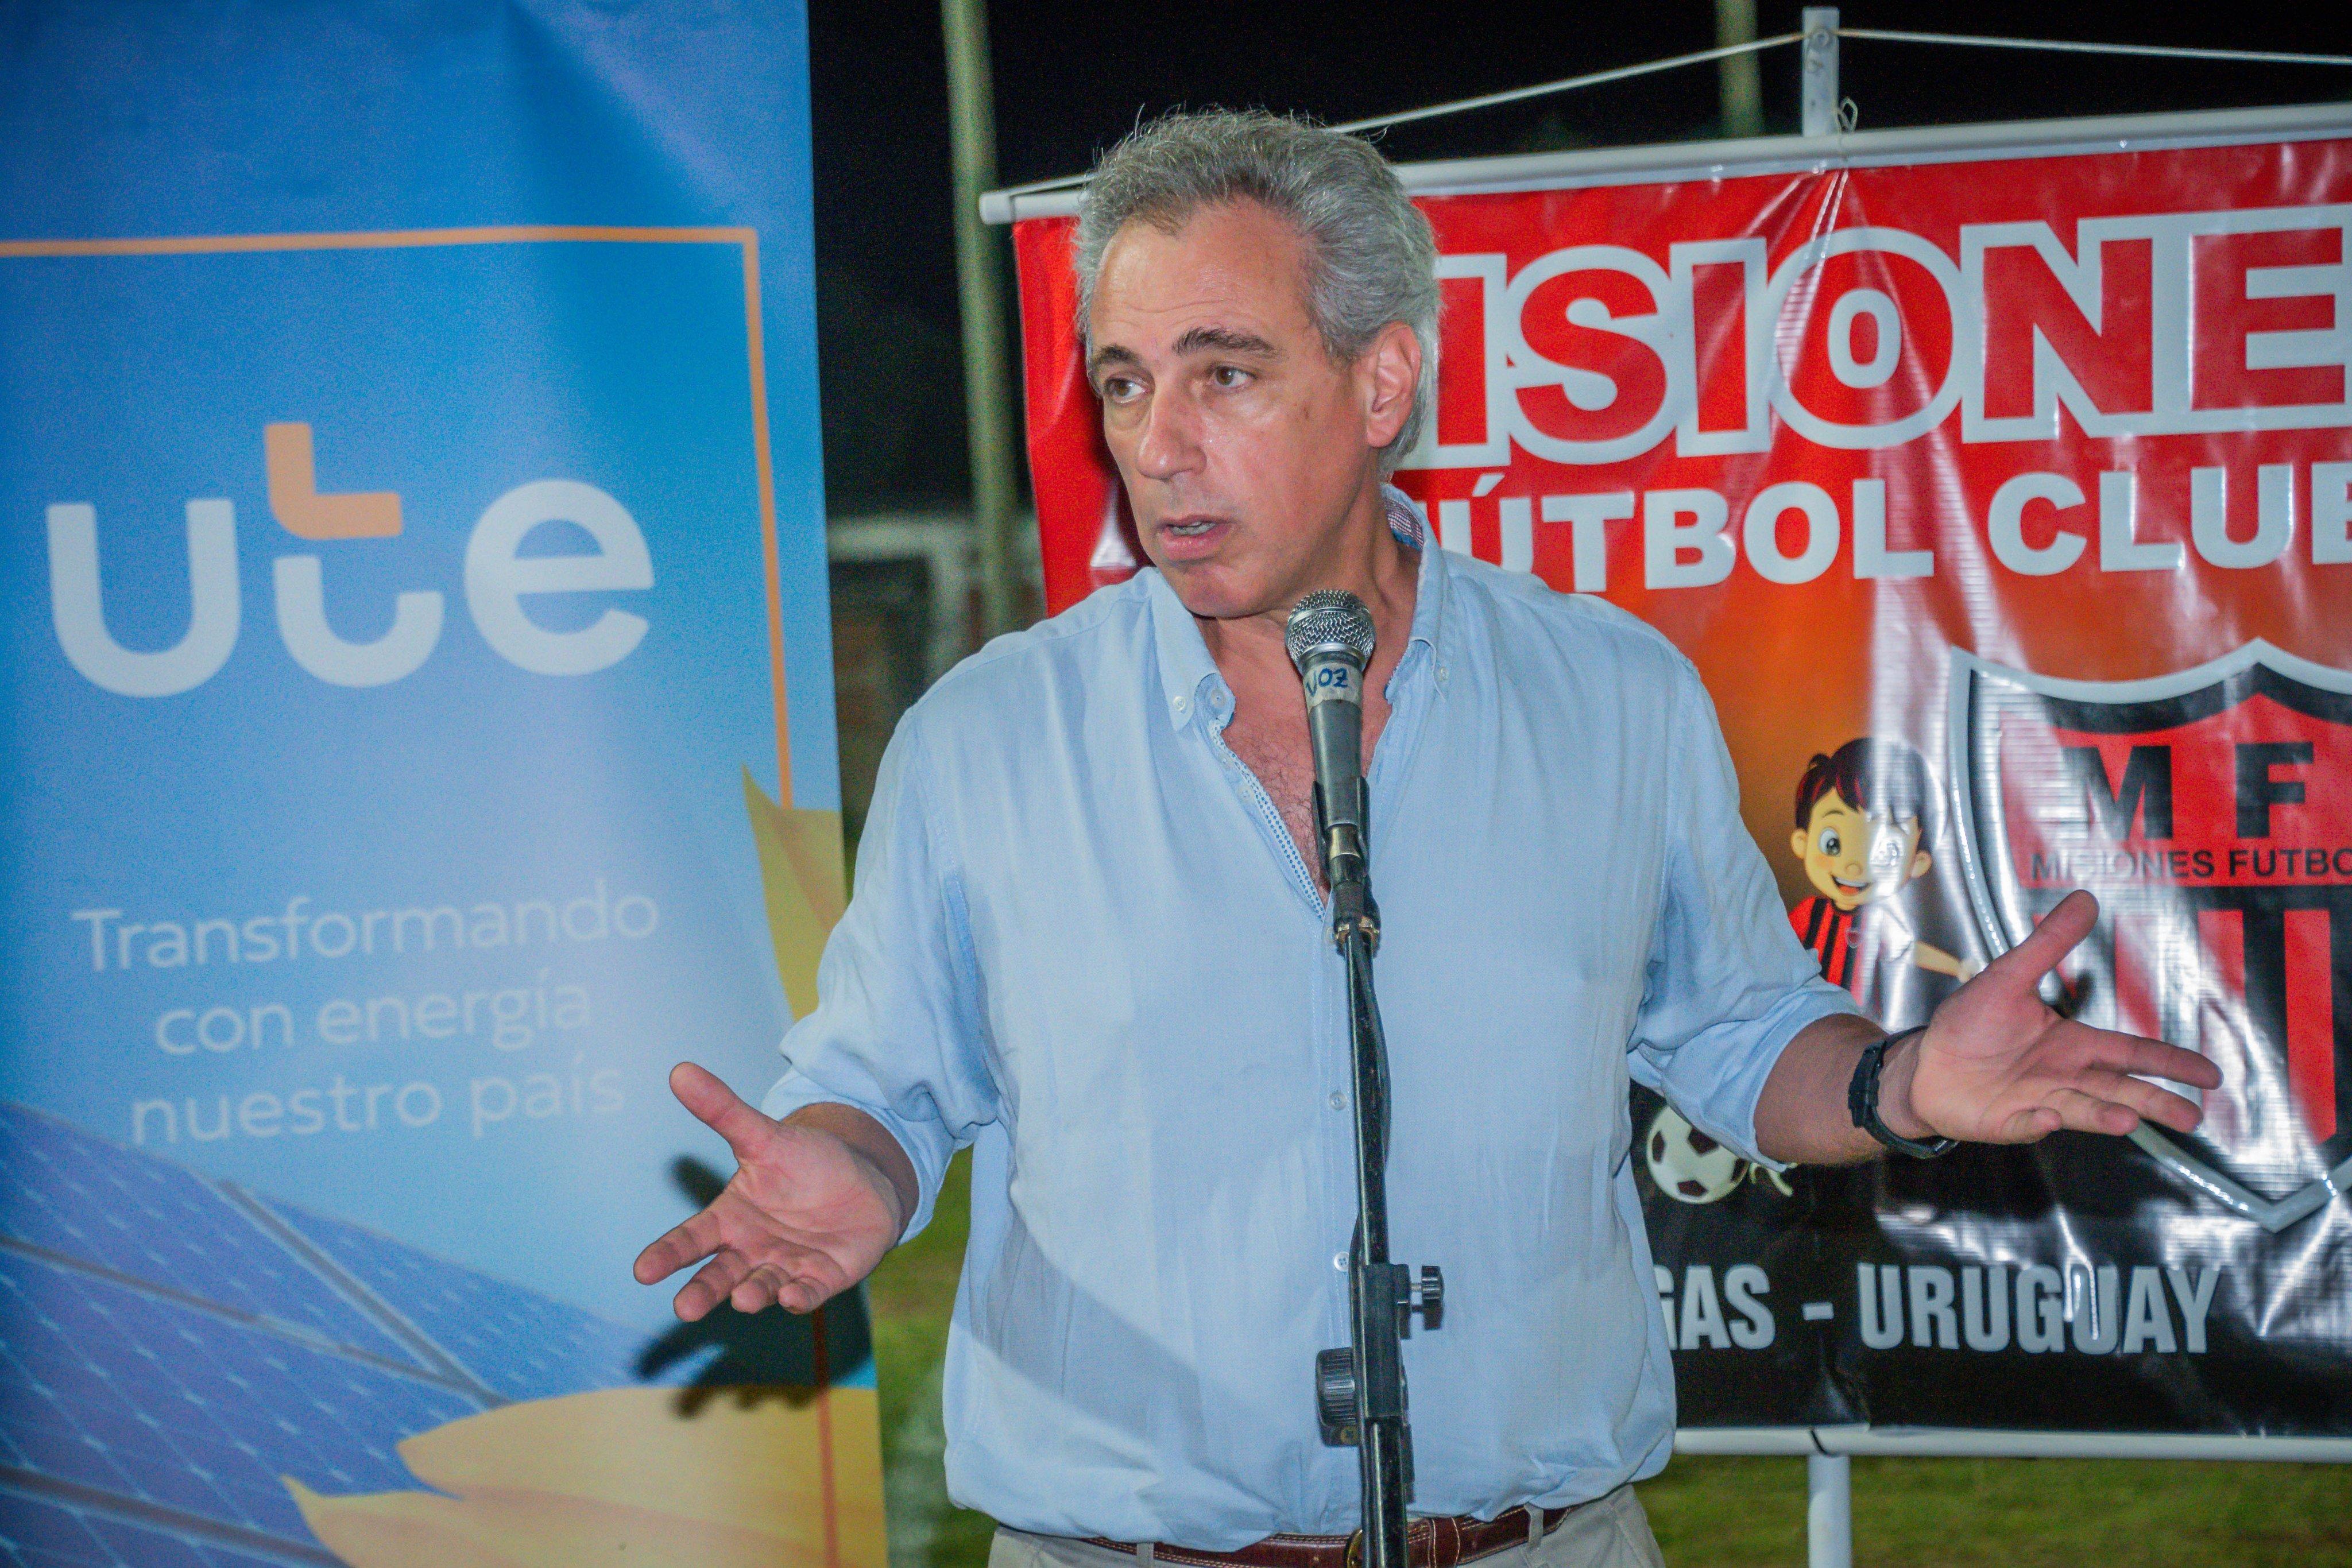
(1721, 1513)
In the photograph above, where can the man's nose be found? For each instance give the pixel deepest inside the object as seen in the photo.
(1169, 443)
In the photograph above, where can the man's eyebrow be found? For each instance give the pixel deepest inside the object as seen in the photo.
(1109, 354)
(1226, 339)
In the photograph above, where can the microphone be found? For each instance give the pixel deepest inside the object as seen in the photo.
(1329, 635)
(1360, 1387)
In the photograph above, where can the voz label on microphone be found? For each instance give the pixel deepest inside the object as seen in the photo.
(1330, 681)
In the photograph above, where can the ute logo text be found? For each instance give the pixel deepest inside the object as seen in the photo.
(496, 581)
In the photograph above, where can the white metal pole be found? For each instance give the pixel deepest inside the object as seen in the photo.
(2106, 134)
(1819, 94)
(1829, 1510)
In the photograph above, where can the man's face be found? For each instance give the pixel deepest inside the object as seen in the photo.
(1242, 446)
(1854, 859)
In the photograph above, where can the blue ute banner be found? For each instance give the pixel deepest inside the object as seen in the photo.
(413, 635)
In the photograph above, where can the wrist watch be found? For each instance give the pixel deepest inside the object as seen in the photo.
(1862, 1102)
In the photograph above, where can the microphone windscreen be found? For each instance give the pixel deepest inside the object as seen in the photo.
(1329, 621)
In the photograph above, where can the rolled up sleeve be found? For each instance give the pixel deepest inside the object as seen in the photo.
(1729, 983)
(899, 1031)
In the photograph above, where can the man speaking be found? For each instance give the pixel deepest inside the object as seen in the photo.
(1089, 940)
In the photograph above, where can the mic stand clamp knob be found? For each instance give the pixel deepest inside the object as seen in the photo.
(1335, 1397)
(1428, 1296)
(1414, 1290)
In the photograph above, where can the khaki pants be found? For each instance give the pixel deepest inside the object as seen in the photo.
(1609, 1531)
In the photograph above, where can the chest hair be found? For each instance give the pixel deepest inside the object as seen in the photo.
(1275, 750)
(1285, 769)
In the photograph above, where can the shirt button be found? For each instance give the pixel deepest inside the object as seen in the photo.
(1338, 1101)
(1340, 1261)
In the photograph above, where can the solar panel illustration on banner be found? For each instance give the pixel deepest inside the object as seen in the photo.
(173, 1350)
(520, 1344)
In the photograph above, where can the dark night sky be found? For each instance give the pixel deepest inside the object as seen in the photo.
(1070, 80)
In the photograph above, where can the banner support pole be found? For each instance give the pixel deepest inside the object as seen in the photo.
(979, 295)
(1829, 1477)
(1741, 87)
(1829, 1510)
(1818, 85)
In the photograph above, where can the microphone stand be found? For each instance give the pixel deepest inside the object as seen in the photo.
(1360, 1390)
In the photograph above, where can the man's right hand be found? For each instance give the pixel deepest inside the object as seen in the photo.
(808, 1213)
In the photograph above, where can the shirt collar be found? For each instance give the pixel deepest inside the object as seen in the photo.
(1188, 676)
(1185, 668)
(1405, 521)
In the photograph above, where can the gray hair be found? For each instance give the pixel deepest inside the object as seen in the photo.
(1371, 260)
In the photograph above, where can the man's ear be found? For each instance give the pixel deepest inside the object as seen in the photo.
(1919, 864)
(1797, 843)
(1390, 372)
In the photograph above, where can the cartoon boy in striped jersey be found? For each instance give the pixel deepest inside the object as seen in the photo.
(1864, 816)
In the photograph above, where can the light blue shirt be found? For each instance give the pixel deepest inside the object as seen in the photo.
(1082, 942)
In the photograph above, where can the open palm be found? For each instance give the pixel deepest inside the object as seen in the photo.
(1997, 1066)
(804, 1216)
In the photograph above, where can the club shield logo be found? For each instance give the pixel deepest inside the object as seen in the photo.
(2211, 810)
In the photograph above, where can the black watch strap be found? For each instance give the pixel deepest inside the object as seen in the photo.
(1862, 1102)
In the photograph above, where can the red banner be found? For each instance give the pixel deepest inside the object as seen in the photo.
(2034, 474)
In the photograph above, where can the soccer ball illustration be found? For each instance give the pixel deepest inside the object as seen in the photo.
(1687, 1165)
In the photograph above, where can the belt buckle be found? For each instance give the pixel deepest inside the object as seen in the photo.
(1354, 1555)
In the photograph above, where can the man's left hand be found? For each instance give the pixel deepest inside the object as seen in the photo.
(1997, 1066)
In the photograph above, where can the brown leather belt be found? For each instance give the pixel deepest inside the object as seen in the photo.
(1429, 1544)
